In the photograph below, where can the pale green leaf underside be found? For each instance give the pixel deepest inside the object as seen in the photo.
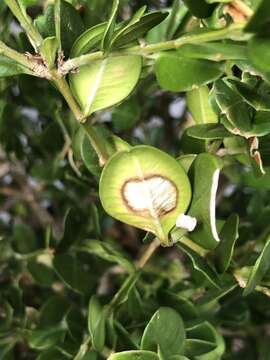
(106, 82)
(146, 188)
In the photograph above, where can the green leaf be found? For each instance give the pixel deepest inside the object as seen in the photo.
(42, 274)
(259, 269)
(181, 304)
(205, 174)
(71, 24)
(260, 21)
(70, 270)
(259, 102)
(259, 53)
(88, 40)
(53, 311)
(72, 223)
(201, 265)
(24, 239)
(165, 332)
(126, 115)
(233, 106)
(107, 37)
(228, 236)
(49, 50)
(200, 107)
(10, 67)
(134, 355)
(208, 132)
(199, 8)
(215, 51)
(43, 339)
(204, 342)
(122, 294)
(107, 251)
(146, 188)
(137, 27)
(96, 323)
(177, 73)
(104, 83)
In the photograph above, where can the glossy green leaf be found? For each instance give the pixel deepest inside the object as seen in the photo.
(71, 272)
(71, 25)
(258, 101)
(259, 269)
(165, 332)
(199, 8)
(204, 342)
(9, 67)
(130, 183)
(201, 265)
(96, 323)
(259, 53)
(49, 49)
(182, 305)
(200, 107)
(104, 83)
(208, 132)
(137, 27)
(177, 73)
(88, 40)
(228, 236)
(233, 106)
(134, 355)
(107, 251)
(260, 21)
(108, 33)
(42, 339)
(205, 172)
(215, 51)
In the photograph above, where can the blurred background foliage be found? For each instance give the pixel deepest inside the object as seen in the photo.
(49, 269)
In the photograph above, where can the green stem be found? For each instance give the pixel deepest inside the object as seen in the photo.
(203, 36)
(64, 89)
(15, 55)
(26, 23)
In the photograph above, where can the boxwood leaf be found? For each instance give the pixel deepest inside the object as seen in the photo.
(106, 40)
(177, 73)
(165, 332)
(205, 172)
(88, 40)
(146, 188)
(200, 107)
(233, 106)
(137, 27)
(259, 269)
(200, 264)
(107, 251)
(228, 237)
(205, 334)
(134, 355)
(260, 102)
(259, 53)
(208, 132)
(96, 323)
(215, 51)
(47, 338)
(106, 82)
(9, 67)
(200, 8)
(260, 21)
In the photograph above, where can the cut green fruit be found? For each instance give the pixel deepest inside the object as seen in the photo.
(106, 82)
(146, 188)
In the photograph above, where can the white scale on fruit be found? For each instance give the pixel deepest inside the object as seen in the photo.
(155, 195)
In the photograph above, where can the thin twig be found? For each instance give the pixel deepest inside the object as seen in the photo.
(154, 245)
